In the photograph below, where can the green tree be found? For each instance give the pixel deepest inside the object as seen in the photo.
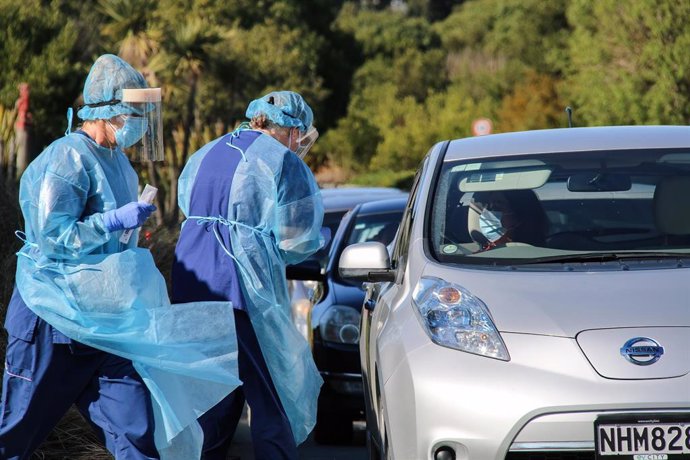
(530, 32)
(211, 57)
(505, 59)
(337, 60)
(383, 128)
(405, 132)
(629, 62)
(414, 73)
(533, 104)
(273, 56)
(49, 46)
(127, 30)
(386, 33)
(433, 10)
(183, 56)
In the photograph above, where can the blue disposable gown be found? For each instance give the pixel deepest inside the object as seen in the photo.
(80, 279)
(274, 218)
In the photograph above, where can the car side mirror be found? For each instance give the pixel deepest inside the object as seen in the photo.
(308, 270)
(366, 262)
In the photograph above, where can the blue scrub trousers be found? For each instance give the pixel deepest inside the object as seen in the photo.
(43, 379)
(272, 437)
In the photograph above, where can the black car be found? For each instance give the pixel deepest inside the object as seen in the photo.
(335, 319)
(304, 279)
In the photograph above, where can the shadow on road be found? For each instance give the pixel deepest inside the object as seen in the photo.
(309, 450)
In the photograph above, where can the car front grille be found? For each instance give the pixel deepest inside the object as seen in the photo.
(571, 455)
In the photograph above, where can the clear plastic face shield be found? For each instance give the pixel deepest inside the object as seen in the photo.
(142, 132)
(305, 141)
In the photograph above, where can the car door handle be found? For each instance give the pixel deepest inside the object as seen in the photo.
(369, 304)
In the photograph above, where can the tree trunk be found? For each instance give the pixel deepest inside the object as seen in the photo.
(171, 211)
(11, 159)
(22, 139)
(2, 159)
(174, 214)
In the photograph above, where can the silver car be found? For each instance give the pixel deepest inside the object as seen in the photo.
(536, 301)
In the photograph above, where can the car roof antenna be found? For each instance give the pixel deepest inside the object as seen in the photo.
(569, 111)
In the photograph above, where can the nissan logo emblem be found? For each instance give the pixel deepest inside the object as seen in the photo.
(642, 351)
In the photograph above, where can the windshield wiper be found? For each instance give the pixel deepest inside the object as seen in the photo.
(607, 257)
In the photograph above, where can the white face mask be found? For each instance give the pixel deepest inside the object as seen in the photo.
(490, 225)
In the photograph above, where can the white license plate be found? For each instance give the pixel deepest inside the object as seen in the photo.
(642, 437)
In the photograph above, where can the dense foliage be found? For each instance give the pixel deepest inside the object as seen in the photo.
(387, 79)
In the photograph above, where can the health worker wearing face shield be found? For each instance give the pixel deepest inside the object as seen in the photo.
(253, 206)
(90, 322)
(76, 197)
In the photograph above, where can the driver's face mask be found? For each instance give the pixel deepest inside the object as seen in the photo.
(490, 225)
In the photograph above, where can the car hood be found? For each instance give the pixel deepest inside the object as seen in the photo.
(622, 321)
(566, 303)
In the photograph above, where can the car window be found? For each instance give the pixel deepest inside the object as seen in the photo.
(375, 227)
(540, 208)
(331, 220)
(403, 240)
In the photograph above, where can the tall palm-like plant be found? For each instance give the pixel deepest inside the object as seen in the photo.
(128, 28)
(184, 55)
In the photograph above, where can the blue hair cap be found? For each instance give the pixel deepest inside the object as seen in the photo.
(284, 108)
(108, 76)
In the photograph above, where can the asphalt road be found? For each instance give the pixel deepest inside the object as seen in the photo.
(242, 446)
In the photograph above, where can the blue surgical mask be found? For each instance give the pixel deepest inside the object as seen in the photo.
(490, 225)
(131, 132)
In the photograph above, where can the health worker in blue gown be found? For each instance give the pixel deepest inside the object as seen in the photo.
(253, 206)
(90, 308)
(76, 198)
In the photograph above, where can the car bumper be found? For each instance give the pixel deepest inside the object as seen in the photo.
(343, 383)
(342, 395)
(545, 398)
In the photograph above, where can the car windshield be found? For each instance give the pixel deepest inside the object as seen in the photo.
(375, 227)
(560, 207)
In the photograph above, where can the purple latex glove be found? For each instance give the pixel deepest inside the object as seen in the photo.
(131, 215)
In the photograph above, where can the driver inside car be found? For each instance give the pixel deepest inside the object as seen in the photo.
(496, 218)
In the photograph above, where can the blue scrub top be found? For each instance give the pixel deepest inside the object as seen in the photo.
(202, 270)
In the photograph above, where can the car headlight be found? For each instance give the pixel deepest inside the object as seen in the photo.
(301, 293)
(452, 317)
(301, 309)
(340, 324)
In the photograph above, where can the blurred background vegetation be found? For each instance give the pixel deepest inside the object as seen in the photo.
(386, 79)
